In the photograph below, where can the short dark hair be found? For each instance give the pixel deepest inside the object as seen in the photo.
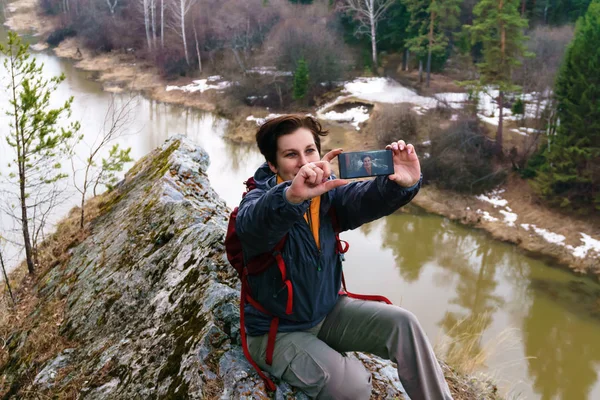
(365, 156)
(271, 130)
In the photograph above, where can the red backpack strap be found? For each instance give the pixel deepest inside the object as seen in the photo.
(367, 297)
(341, 246)
(250, 185)
(269, 385)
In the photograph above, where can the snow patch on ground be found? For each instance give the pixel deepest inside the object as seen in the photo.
(385, 91)
(589, 244)
(548, 236)
(486, 216)
(509, 217)
(493, 198)
(355, 116)
(269, 71)
(525, 131)
(202, 85)
(260, 121)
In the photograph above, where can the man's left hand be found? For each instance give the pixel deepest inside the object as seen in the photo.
(407, 169)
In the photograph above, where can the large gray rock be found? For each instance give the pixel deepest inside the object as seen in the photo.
(150, 299)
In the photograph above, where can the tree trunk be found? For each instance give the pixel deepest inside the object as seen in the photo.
(523, 7)
(6, 281)
(239, 61)
(420, 71)
(147, 24)
(279, 94)
(431, 23)
(153, 17)
(25, 223)
(373, 36)
(197, 48)
(162, 23)
(428, 68)
(182, 15)
(500, 124)
(407, 58)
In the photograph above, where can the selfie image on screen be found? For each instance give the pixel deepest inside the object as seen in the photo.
(366, 163)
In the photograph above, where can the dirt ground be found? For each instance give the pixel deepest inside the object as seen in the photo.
(119, 71)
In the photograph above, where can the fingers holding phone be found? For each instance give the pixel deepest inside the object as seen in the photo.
(311, 181)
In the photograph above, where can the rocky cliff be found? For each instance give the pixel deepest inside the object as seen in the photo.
(146, 306)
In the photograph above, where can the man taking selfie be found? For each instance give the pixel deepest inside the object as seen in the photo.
(298, 323)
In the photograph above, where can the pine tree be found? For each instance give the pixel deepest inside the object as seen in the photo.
(499, 26)
(571, 175)
(430, 22)
(37, 135)
(301, 80)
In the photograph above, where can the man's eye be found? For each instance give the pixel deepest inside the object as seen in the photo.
(290, 154)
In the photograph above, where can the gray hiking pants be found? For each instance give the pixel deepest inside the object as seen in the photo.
(311, 360)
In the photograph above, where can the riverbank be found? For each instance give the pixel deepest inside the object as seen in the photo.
(511, 214)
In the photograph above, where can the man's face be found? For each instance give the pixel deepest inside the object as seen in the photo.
(294, 151)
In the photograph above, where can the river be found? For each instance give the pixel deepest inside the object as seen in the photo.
(537, 326)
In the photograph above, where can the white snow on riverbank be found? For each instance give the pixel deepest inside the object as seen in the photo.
(493, 198)
(589, 243)
(354, 116)
(510, 218)
(260, 121)
(486, 216)
(202, 85)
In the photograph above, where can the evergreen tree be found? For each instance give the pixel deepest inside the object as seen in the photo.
(571, 174)
(37, 136)
(301, 80)
(558, 12)
(499, 27)
(430, 23)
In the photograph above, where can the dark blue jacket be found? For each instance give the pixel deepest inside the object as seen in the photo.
(265, 216)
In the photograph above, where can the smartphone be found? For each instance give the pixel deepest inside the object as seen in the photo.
(359, 164)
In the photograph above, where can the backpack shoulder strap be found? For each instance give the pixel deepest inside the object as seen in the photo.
(250, 185)
(334, 220)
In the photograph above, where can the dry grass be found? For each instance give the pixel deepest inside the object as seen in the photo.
(38, 317)
(462, 348)
(464, 351)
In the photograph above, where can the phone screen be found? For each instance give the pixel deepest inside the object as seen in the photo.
(359, 164)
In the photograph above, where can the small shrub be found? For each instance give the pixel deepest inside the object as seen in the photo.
(394, 122)
(518, 107)
(59, 35)
(461, 159)
(301, 80)
(50, 7)
(172, 62)
(264, 91)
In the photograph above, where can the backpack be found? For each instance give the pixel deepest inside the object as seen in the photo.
(257, 265)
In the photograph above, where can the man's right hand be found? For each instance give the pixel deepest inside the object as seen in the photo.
(313, 180)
